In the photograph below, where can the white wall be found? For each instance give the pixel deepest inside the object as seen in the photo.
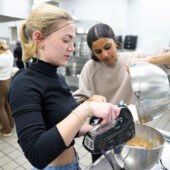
(112, 12)
(6, 32)
(150, 19)
(5, 28)
(15, 8)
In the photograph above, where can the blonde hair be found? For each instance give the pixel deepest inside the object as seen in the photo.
(3, 46)
(44, 18)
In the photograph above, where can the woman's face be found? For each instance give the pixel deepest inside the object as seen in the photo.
(105, 50)
(58, 45)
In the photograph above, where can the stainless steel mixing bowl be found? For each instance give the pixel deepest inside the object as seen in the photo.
(136, 158)
(151, 90)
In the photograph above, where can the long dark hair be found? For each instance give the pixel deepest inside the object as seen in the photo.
(96, 32)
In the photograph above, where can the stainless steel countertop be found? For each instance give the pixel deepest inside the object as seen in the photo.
(102, 163)
(165, 158)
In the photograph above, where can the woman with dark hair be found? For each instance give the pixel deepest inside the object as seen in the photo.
(104, 78)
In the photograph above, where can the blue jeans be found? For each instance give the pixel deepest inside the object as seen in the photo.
(71, 166)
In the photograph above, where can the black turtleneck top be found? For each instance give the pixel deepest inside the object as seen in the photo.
(39, 99)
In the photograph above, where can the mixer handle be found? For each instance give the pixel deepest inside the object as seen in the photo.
(95, 120)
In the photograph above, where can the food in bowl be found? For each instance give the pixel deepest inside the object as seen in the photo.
(143, 119)
(141, 142)
(138, 158)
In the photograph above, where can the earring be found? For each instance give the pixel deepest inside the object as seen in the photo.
(40, 45)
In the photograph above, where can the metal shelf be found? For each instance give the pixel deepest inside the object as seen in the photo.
(72, 82)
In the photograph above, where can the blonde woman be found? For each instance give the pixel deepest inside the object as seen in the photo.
(46, 115)
(6, 65)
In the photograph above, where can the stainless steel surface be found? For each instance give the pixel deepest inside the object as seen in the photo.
(151, 90)
(166, 134)
(165, 158)
(72, 82)
(80, 61)
(137, 158)
(84, 49)
(102, 163)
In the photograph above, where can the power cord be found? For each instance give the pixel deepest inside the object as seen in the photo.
(163, 167)
(108, 158)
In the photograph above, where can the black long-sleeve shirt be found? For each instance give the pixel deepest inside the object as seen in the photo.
(39, 99)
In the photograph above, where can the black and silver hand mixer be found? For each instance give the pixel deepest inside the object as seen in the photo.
(110, 135)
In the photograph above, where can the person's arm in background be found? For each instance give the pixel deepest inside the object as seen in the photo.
(162, 58)
(157, 59)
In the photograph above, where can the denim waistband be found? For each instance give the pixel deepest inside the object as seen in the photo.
(71, 166)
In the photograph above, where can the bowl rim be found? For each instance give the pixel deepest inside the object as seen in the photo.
(157, 147)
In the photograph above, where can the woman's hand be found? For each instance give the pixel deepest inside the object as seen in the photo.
(74, 122)
(97, 98)
(105, 111)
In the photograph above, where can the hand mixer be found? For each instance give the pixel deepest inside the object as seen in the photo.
(110, 135)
